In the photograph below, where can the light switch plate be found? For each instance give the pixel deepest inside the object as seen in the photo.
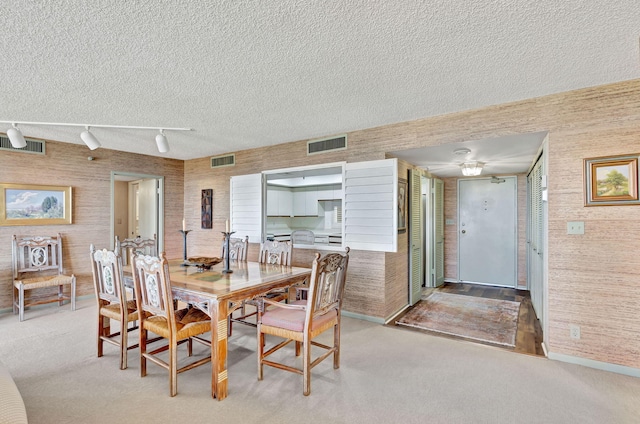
(575, 227)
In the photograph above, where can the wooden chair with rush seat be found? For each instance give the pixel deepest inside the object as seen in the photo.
(157, 314)
(303, 320)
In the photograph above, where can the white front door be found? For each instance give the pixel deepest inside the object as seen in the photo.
(487, 231)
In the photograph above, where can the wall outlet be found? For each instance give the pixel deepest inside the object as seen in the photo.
(575, 227)
(574, 331)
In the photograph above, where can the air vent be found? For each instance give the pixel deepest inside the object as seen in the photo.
(33, 146)
(326, 145)
(220, 161)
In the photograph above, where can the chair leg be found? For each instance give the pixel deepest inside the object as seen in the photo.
(260, 353)
(21, 303)
(306, 367)
(124, 343)
(143, 351)
(100, 332)
(298, 344)
(336, 344)
(60, 295)
(73, 294)
(173, 368)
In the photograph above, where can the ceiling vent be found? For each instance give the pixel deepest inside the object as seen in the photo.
(33, 146)
(327, 145)
(220, 161)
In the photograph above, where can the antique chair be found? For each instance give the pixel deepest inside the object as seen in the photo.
(157, 314)
(106, 267)
(273, 253)
(238, 248)
(301, 321)
(37, 263)
(303, 237)
(148, 246)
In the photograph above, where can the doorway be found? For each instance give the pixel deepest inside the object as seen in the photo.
(487, 231)
(137, 206)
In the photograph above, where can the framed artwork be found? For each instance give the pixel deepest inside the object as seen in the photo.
(24, 204)
(206, 209)
(402, 205)
(611, 180)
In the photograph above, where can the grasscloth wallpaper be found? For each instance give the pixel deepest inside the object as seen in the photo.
(593, 278)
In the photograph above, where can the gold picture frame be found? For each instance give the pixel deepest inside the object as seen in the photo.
(611, 180)
(27, 204)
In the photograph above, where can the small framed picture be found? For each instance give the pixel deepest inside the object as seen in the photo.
(402, 205)
(611, 180)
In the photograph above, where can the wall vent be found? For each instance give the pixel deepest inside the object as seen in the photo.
(327, 145)
(33, 146)
(220, 161)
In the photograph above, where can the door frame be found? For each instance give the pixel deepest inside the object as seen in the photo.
(131, 176)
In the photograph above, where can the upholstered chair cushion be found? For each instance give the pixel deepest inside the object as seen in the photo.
(293, 319)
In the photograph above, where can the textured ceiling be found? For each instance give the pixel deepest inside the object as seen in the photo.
(244, 74)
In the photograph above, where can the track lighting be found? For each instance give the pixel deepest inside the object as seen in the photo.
(89, 139)
(16, 138)
(161, 141)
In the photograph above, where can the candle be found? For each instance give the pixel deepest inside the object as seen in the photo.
(184, 226)
(227, 226)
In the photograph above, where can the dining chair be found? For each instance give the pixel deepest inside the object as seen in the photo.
(148, 246)
(271, 253)
(302, 321)
(157, 314)
(303, 237)
(108, 281)
(238, 248)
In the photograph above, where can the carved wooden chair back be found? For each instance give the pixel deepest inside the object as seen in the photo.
(238, 248)
(302, 321)
(147, 246)
(276, 253)
(108, 281)
(157, 313)
(37, 263)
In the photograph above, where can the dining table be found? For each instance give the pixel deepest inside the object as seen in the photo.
(219, 293)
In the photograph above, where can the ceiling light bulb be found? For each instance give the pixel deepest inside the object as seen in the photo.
(16, 138)
(161, 141)
(89, 139)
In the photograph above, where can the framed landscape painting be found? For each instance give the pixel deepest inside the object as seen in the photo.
(24, 204)
(611, 181)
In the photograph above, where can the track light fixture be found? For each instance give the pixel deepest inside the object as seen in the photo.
(89, 139)
(161, 141)
(18, 141)
(15, 137)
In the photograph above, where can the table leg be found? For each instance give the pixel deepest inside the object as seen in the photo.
(219, 350)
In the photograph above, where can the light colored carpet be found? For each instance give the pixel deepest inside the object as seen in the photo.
(387, 375)
(476, 318)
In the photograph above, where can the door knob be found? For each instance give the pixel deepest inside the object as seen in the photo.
(464, 231)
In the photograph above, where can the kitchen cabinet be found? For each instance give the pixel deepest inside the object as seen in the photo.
(279, 201)
(305, 201)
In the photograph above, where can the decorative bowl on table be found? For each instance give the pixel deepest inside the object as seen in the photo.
(203, 263)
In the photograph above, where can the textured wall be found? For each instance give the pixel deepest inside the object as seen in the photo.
(67, 165)
(593, 278)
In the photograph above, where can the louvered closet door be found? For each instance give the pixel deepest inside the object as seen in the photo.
(438, 230)
(416, 241)
(246, 206)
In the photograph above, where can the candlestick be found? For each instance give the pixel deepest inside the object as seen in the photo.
(184, 235)
(227, 236)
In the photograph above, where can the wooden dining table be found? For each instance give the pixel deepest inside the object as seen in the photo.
(218, 294)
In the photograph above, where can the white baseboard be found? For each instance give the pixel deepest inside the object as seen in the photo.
(604, 366)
